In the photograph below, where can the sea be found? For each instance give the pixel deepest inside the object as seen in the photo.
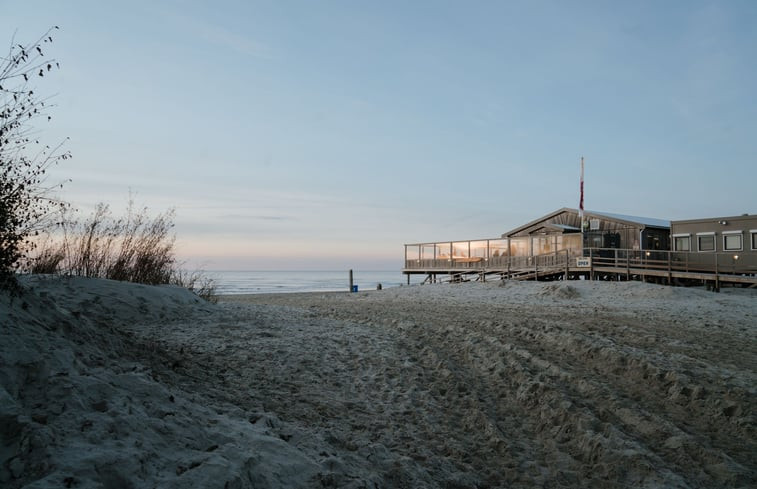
(266, 282)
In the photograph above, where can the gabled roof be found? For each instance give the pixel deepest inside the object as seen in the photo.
(631, 220)
(535, 221)
(645, 221)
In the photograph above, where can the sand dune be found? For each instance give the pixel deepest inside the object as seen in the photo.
(575, 384)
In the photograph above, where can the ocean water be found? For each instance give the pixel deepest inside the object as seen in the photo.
(265, 282)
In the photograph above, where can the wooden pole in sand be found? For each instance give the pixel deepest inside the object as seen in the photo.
(350, 280)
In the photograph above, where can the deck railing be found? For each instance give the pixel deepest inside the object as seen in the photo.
(681, 261)
(502, 262)
(660, 260)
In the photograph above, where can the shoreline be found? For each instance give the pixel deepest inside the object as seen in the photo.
(244, 282)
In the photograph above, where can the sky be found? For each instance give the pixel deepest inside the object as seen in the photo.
(325, 135)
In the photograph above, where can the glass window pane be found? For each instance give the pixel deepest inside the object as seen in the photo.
(754, 241)
(542, 244)
(478, 249)
(682, 243)
(427, 251)
(460, 250)
(519, 246)
(498, 248)
(707, 243)
(413, 252)
(732, 242)
(569, 241)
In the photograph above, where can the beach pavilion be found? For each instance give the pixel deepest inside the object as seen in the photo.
(554, 237)
(561, 230)
(564, 244)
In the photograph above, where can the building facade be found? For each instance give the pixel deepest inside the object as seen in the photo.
(561, 230)
(558, 232)
(732, 234)
(711, 250)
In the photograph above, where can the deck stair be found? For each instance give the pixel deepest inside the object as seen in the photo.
(546, 274)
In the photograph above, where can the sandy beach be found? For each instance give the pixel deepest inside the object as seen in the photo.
(474, 385)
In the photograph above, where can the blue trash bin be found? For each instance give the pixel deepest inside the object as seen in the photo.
(354, 288)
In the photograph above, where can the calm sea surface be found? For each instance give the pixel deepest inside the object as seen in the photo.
(264, 282)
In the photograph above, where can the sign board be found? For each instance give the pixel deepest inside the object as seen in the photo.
(583, 262)
(594, 224)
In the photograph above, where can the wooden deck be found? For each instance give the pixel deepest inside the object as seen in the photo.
(713, 269)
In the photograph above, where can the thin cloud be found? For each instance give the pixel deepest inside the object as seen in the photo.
(226, 39)
(221, 36)
(248, 217)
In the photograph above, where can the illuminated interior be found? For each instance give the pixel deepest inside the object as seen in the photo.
(490, 251)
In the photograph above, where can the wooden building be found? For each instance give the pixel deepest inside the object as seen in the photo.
(605, 245)
(561, 230)
(549, 242)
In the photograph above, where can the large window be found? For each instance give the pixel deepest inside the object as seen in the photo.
(428, 251)
(479, 249)
(498, 248)
(542, 244)
(753, 232)
(682, 242)
(571, 242)
(706, 241)
(519, 246)
(460, 249)
(412, 252)
(732, 241)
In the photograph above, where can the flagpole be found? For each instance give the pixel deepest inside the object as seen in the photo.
(581, 205)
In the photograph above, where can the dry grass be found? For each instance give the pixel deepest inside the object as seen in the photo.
(136, 248)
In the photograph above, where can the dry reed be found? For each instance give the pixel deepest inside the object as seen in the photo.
(136, 248)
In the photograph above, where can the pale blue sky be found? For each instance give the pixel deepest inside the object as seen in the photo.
(334, 132)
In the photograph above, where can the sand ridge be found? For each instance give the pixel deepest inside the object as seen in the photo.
(578, 384)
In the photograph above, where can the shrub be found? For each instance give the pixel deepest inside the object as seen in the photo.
(25, 201)
(197, 282)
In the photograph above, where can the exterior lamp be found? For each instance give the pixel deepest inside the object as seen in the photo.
(648, 253)
(735, 257)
